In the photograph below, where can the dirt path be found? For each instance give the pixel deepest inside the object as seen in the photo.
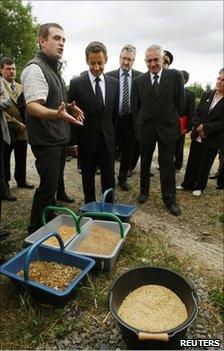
(197, 232)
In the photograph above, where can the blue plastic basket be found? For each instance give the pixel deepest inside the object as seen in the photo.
(43, 253)
(123, 212)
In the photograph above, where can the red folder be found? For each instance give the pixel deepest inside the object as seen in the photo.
(183, 124)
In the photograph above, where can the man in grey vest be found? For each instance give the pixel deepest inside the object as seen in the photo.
(47, 117)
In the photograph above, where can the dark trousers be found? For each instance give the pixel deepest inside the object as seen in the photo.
(135, 154)
(179, 152)
(220, 179)
(3, 185)
(125, 125)
(166, 169)
(50, 163)
(20, 152)
(89, 162)
(199, 164)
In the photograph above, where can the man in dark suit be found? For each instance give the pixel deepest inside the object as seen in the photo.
(125, 75)
(157, 104)
(97, 96)
(188, 111)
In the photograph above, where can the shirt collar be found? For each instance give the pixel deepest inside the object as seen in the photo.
(122, 71)
(158, 74)
(8, 83)
(92, 78)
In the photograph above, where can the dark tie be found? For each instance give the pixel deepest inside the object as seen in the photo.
(155, 83)
(99, 94)
(125, 98)
(13, 87)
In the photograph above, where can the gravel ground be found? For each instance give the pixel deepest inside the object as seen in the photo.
(199, 237)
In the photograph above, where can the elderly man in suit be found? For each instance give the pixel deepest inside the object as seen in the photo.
(125, 129)
(16, 126)
(97, 95)
(157, 104)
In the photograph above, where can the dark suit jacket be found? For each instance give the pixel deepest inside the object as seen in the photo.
(212, 120)
(189, 106)
(116, 75)
(158, 114)
(96, 122)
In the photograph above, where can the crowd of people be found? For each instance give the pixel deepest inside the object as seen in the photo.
(123, 109)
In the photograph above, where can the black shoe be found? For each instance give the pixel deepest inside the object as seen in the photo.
(151, 174)
(215, 176)
(130, 173)
(9, 197)
(220, 187)
(142, 198)
(174, 209)
(3, 234)
(25, 185)
(68, 158)
(124, 186)
(65, 198)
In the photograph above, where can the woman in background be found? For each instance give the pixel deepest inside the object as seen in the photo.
(207, 137)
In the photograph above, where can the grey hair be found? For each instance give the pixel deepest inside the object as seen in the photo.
(129, 48)
(155, 47)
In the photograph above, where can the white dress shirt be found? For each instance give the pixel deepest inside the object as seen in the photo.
(101, 83)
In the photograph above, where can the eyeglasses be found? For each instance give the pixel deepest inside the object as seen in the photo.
(127, 59)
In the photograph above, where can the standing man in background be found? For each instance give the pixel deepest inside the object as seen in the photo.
(17, 129)
(47, 118)
(97, 95)
(5, 103)
(125, 129)
(157, 104)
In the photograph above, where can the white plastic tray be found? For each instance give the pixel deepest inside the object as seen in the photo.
(106, 262)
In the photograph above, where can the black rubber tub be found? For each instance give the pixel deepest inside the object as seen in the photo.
(133, 279)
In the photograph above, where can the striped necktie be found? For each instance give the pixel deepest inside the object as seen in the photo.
(125, 98)
(14, 92)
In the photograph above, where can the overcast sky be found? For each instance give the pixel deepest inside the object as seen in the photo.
(191, 30)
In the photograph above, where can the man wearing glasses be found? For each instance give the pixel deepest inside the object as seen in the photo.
(125, 130)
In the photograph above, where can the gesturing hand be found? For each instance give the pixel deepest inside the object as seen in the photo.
(78, 119)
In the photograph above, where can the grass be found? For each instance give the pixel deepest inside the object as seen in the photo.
(217, 296)
(28, 323)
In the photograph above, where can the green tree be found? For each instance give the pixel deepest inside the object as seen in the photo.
(17, 32)
(197, 89)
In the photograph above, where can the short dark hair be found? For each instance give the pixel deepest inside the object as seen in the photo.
(44, 29)
(186, 76)
(221, 71)
(96, 46)
(6, 61)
